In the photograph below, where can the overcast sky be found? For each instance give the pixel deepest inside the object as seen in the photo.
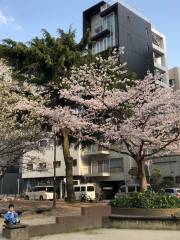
(21, 20)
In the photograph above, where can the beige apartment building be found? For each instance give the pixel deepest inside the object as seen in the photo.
(169, 168)
(108, 170)
(174, 78)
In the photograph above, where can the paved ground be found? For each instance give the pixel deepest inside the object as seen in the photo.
(108, 234)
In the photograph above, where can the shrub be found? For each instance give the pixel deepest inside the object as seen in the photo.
(146, 200)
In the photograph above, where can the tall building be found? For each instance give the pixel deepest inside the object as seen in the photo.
(174, 78)
(119, 25)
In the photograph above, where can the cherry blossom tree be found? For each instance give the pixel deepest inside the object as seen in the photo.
(139, 118)
(67, 118)
(16, 135)
(142, 120)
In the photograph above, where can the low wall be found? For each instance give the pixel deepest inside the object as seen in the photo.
(141, 222)
(16, 234)
(145, 212)
(99, 210)
(66, 224)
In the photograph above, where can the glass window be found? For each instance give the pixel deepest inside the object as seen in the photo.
(129, 19)
(83, 189)
(131, 189)
(169, 179)
(123, 189)
(116, 165)
(169, 190)
(106, 165)
(58, 164)
(42, 165)
(30, 166)
(77, 189)
(39, 189)
(74, 162)
(90, 188)
(75, 182)
(178, 190)
(138, 188)
(49, 189)
(109, 41)
(171, 82)
(177, 179)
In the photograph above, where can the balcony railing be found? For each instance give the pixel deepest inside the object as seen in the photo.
(96, 170)
(95, 150)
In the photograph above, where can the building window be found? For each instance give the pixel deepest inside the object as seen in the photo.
(116, 165)
(42, 165)
(74, 162)
(171, 82)
(147, 32)
(129, 19)
(168, 179)
(30, 166)
(109, 41)
(177, 179)
(58, 164)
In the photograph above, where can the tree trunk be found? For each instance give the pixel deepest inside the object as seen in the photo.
(142, 176)
(69, 168)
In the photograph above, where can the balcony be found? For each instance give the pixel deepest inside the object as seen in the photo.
(159, 67)
(158, 44)
(158, 49)
(95, 171)
(95, 151)
(99, 32)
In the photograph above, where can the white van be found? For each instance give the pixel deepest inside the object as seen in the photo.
(129, 188)
(40, 193)
(85, 191)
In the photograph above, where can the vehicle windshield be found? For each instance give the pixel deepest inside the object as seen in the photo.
(49, 189)
(90, 188)
(46, 189)
(169, 190)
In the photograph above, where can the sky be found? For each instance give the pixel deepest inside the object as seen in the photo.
(21, 20)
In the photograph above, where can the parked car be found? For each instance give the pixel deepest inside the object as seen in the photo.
(129, 188)
(173, 191)
(85, 192)
(40, 193)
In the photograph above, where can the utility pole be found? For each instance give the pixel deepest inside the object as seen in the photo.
(54, 175)
(18, 180)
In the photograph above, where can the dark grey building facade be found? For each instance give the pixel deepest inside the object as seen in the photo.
(116, 26)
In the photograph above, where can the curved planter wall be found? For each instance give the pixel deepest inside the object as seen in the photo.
(145, 212)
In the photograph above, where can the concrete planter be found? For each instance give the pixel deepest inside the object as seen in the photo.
(145, 212)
